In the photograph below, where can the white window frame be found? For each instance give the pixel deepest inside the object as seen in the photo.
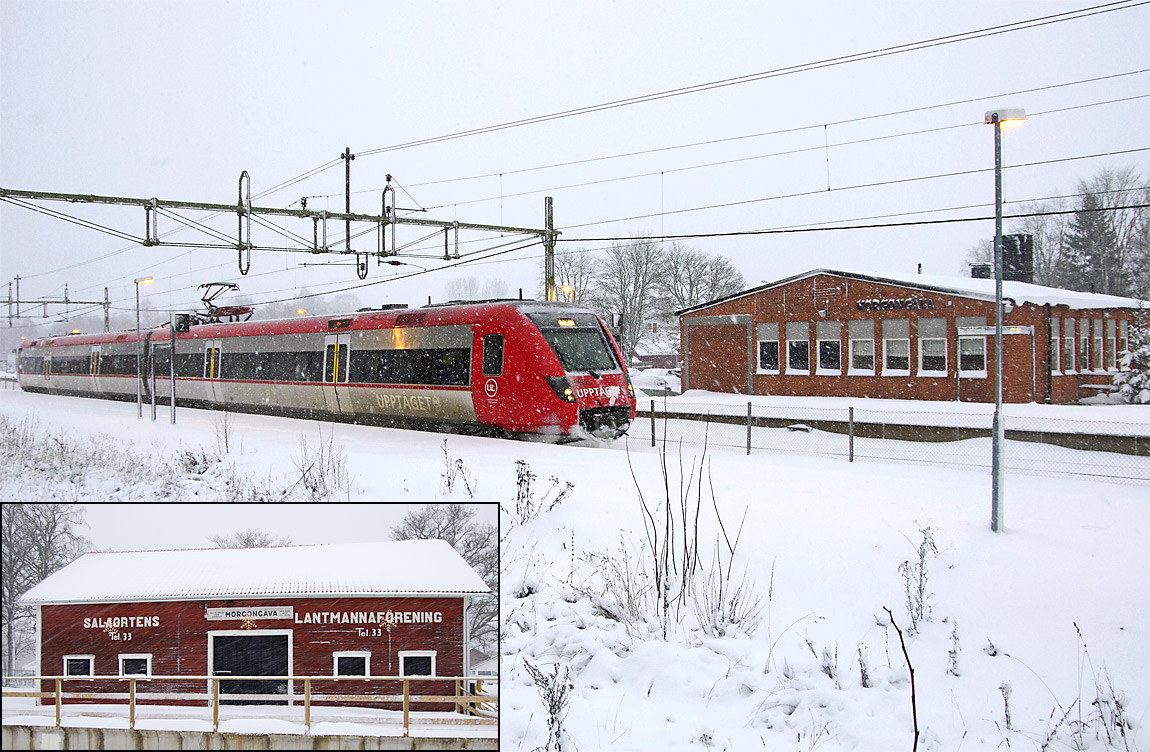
(972, 374)
(1055, 345)
(851, 341)
(1069, 349)
(137, 656)
(945, 353)
(798, 371)
(91, 665)
(364, 654)
(886, 345)
(1084, 345)
(417, 654)
(758, 347)
(837, 341)
(1123, 342)
(1111, 344)
(1099, 363)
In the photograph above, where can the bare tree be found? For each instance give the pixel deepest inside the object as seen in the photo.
(477, 543)
(575, 269)
(38, 539)
(462, 288)
(627, 284)
(250, 538)
(691, 276)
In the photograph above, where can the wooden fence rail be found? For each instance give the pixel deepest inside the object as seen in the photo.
(482, 707)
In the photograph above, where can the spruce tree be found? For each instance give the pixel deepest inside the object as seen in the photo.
(1090, 254)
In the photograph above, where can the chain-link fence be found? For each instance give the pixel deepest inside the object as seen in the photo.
(1057, 446)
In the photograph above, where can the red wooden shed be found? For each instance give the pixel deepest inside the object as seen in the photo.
(352, 610)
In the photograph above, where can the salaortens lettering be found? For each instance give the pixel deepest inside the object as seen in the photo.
(121, 621)
(896, 304)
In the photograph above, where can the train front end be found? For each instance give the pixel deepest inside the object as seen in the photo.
(594, 392)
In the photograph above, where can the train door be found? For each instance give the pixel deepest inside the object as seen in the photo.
(336, 357)
(212, 364)
(94, 369)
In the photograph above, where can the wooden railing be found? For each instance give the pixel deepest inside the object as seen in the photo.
(482, 707)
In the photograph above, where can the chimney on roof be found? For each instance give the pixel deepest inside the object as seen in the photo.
(982, 271)
(1018, 258)
(920, 268)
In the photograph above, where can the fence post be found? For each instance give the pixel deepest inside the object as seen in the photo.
(215, 705)
(307, 703)
(748, 428)
(131, 704)
(851, 431)
(406, 730)
(58, 703)
(652, 422)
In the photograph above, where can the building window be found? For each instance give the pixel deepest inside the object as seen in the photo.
(971, 349)
(860, 334)
(768, 338)
(798, 347)
(1084, 345)
(78, 665)
(1124, 343)
(1097, 345)
(829, 335)
(417, 663)
(1111, 344)
(896, 347)
(352, 663)
(1055, 338)
(932, 347)
(135, 664)
(1068, 345)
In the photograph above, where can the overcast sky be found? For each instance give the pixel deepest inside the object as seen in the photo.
(134, 527)
(175, 99)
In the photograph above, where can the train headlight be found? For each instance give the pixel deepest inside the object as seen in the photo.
(562, 388)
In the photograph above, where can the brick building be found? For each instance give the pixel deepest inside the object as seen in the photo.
(356, 610)
(846, 334)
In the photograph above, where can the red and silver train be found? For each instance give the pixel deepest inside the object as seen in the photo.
(503, 367)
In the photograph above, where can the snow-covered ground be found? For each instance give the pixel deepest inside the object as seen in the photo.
(1052, 616)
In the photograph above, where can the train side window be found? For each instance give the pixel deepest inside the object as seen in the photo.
(335, 370)
(212, 363)
(493, 355)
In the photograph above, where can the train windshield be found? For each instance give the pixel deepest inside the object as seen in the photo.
(581, 349)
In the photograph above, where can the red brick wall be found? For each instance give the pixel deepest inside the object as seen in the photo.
(718, 361)
(63, 633)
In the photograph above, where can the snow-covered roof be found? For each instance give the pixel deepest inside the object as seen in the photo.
(981, 289)
(413, 567)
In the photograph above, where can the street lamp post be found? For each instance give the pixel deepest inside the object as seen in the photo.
(1007, 117)
(139, 345)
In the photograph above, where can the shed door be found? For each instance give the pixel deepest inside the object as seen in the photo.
(251, 655)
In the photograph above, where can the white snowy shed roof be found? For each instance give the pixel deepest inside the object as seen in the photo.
(413, 567)
(979, 289)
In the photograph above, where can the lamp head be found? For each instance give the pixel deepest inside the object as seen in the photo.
(145, 281)
(1006, 117)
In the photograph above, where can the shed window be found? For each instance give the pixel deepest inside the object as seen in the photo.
(417, 663)
(798, 347)
(1111, 344)
(932, 346)
(861, 335)
(829, 336)
(1124, 343)
(896, 347)
(1055, 338)
(768, 339)
(1068, 345)
(78, 665)
(352, 663)
(135, 664)
(1097, 345)
(1084, 344)
(971, 349)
